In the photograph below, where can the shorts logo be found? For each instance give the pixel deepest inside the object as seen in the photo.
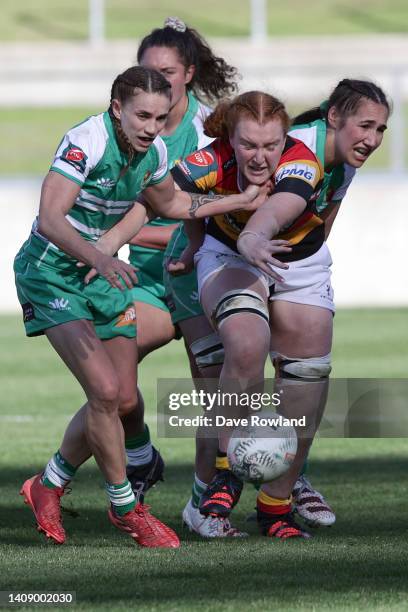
(297, 170)
(127, 317)
(75, 156)
(59, 304)
(194, 296)
(201, 158)
(28, 312)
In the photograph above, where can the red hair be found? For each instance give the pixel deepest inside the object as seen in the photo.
(257, 105)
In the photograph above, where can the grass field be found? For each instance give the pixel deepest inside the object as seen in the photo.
(33, 134)
(359, 564)
(59, 20)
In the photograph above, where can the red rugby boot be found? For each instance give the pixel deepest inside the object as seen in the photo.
(145, 528)
(46, 506)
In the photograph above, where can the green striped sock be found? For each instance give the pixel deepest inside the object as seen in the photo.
(121, 497)
(196, 492)
(58, 472)
(139, 448)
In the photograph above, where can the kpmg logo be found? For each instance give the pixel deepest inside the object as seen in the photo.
(296, 170)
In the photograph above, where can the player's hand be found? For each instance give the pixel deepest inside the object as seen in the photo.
(259, 252)
(104, 247)
(183, 265)
(254, 196)
(114, 270)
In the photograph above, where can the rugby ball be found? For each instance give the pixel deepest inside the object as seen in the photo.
(260, 454)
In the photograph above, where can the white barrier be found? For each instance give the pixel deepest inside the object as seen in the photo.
(367, 242)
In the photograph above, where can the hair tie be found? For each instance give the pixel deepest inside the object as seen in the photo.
(175, 24)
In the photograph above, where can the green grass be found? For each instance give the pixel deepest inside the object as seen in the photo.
(32, 135)
(60, 20)
(358, 564)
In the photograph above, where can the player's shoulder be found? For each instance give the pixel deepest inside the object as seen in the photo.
(199, 114)
(92, 127)
(296, 149)
(158, 147)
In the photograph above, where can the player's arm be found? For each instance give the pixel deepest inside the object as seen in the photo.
(58, 195)
(154, 236)
(329, 215)
(195, 231)
(170, 203)
(255, 242)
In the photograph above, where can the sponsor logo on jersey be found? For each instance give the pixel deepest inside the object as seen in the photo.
(59, 304)
(127, 317)
(201, 158)
(75, 156)
(228, 164)
(299, 170)
(184, 168)
(105, 183)
(146, 178)
(28, 312)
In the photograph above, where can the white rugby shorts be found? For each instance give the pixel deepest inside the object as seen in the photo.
(306, 281)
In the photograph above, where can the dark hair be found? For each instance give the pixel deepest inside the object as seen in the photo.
(213, 78)
(346, 97)
(124, 87)
(254, 104)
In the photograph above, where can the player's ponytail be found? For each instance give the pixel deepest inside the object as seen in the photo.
(213, 78)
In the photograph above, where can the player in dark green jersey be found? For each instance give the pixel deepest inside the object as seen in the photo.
(100, 169)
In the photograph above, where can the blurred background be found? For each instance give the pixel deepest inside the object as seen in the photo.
(58, 60)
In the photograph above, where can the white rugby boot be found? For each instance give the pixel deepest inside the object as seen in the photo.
(310, 505)
(209, 526)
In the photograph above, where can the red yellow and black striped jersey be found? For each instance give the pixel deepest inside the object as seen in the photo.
(214, 169)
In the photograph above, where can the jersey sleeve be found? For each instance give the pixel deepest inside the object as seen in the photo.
(340, 191)
(198, 172)
(81, 149)
(298, 171)
(163, 168)
(202, 113)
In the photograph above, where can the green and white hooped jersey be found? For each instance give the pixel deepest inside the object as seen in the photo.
(90, 156)
(336, 182)
(188, 137)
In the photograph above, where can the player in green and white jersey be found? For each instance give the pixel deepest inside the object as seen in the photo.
(100, 168)
(187, 62)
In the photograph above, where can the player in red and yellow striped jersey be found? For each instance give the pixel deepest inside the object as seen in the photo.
(234, 291)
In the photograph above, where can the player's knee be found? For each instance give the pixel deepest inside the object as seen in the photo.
(245, 355)
(239, 302)
(307, 369)
(207, 351)
(105, 396)
(128, 403)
